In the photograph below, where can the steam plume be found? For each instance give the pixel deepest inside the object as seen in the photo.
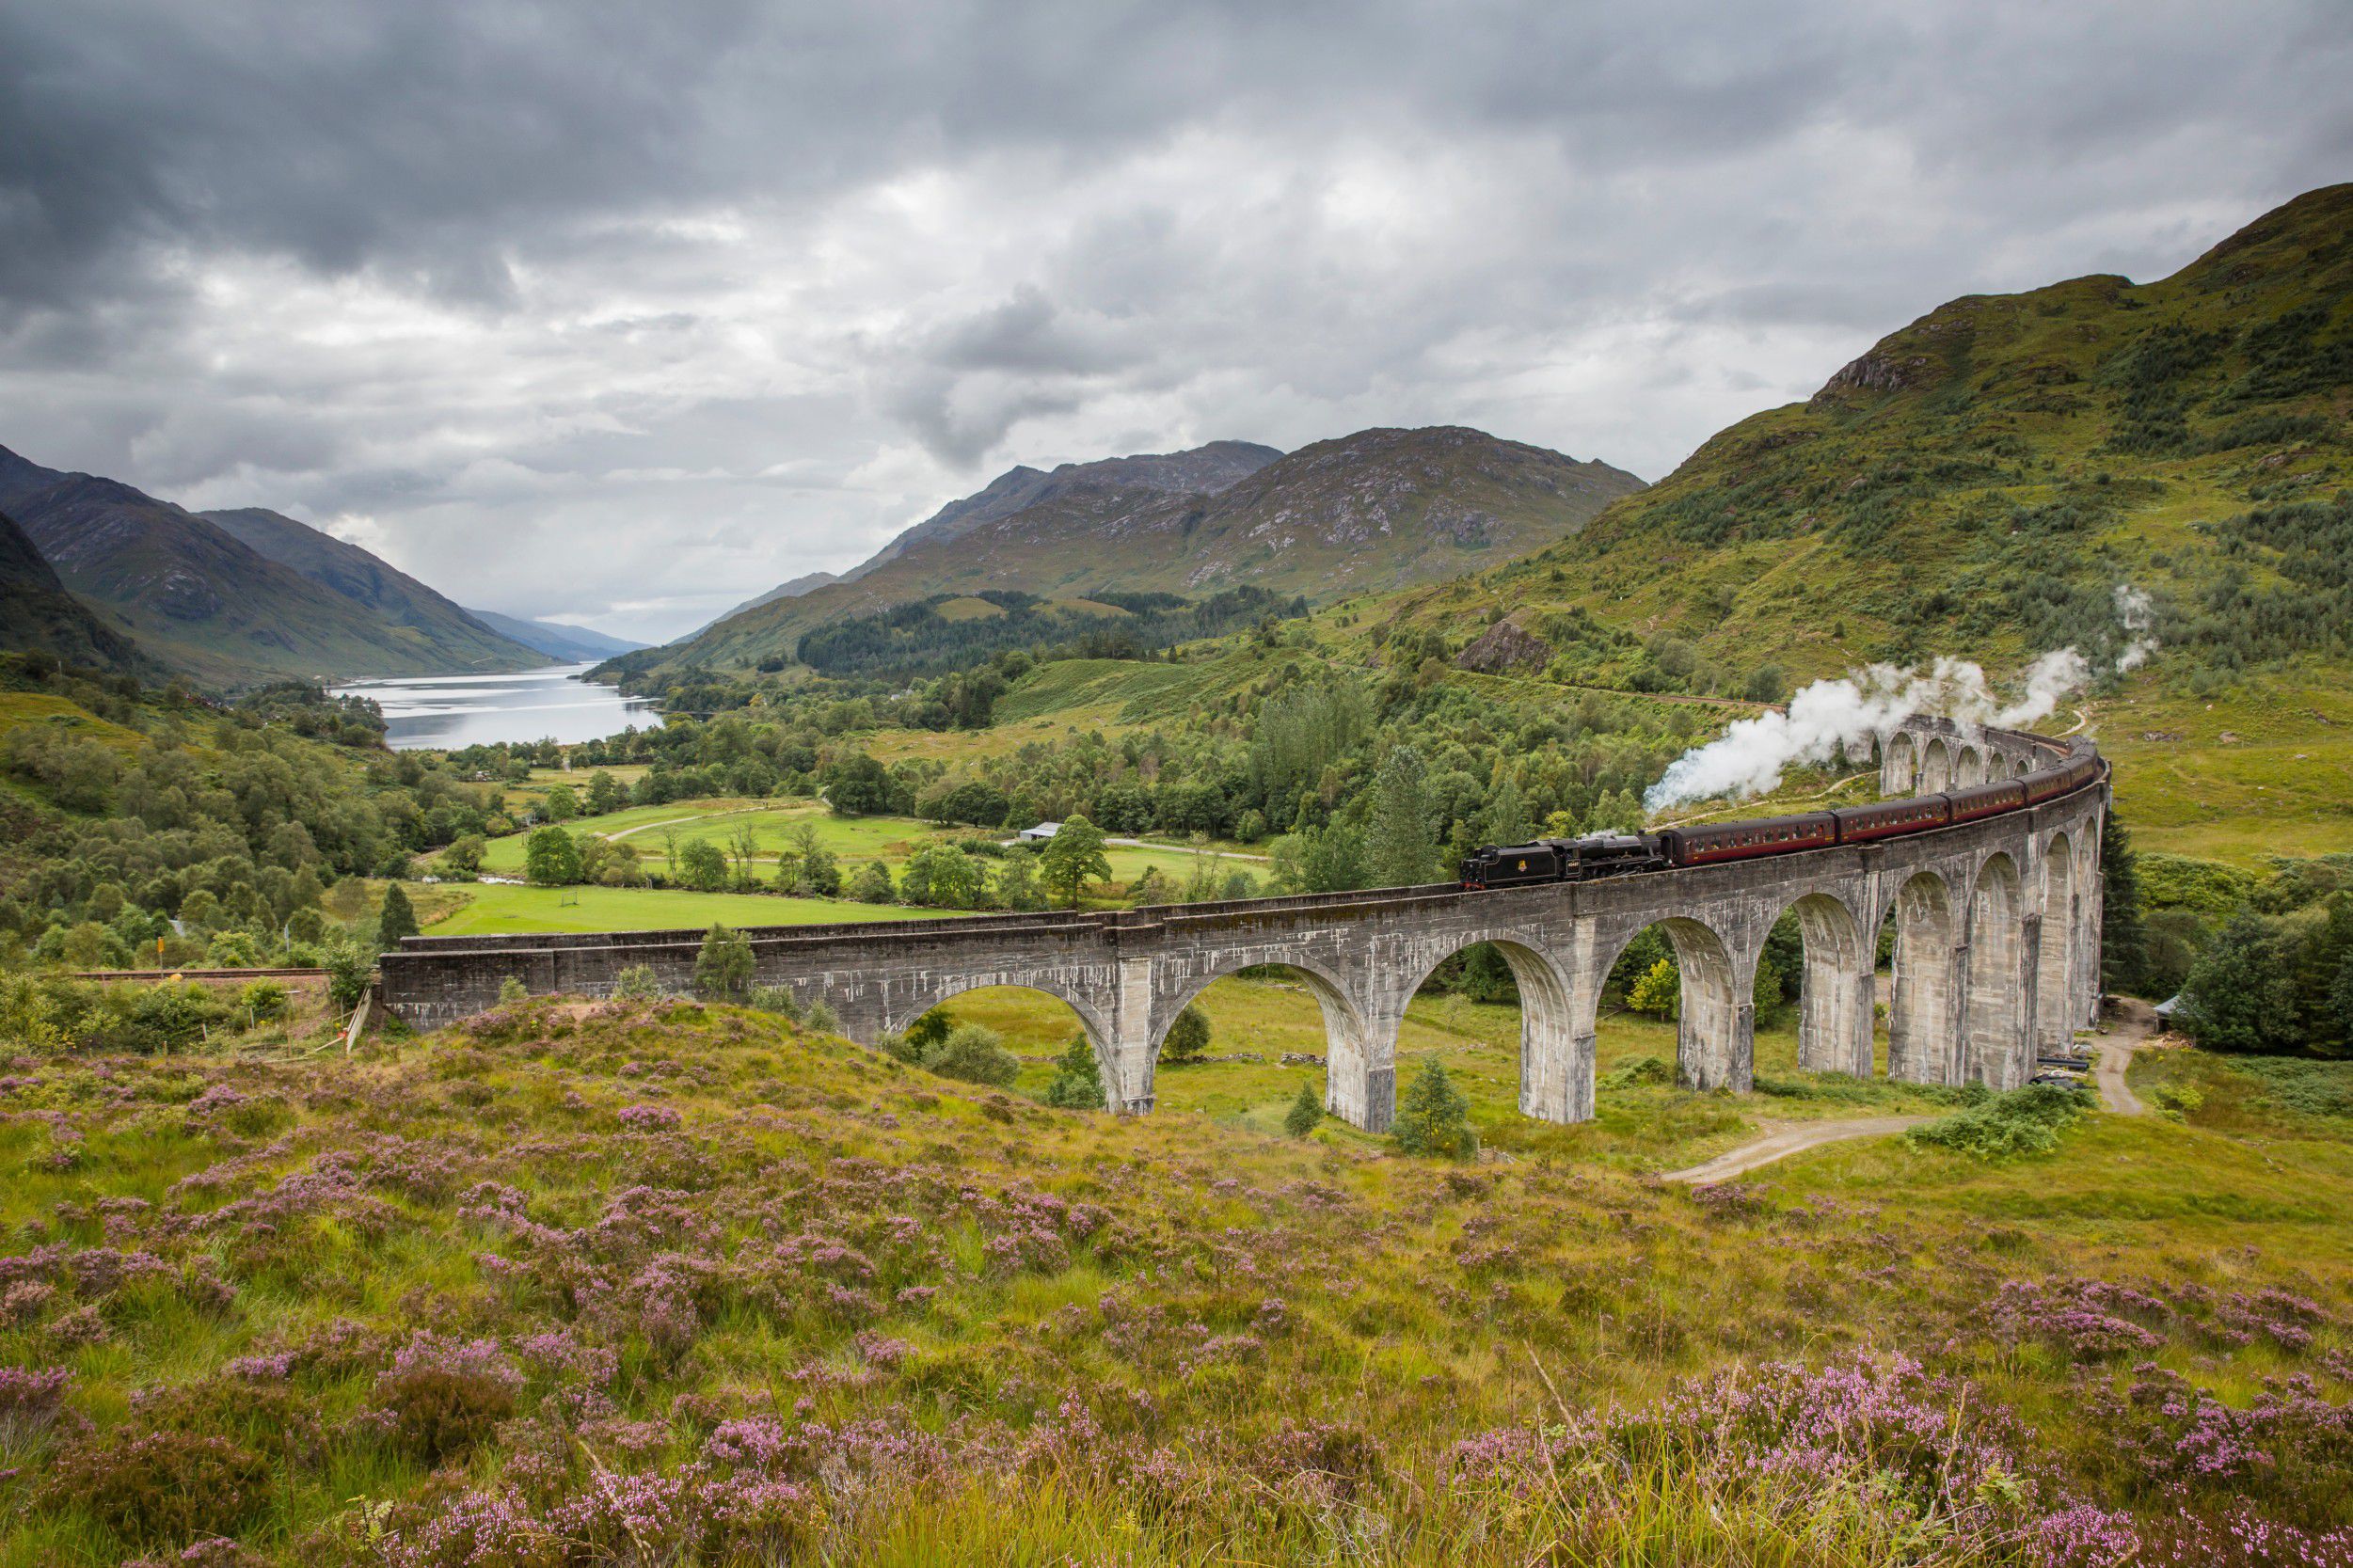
(1832, 719)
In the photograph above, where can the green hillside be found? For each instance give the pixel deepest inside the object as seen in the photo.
(1377, 510)
(1982, 482)
(39, 614)
(458, 638)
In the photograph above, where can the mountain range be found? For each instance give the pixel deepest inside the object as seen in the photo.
(1380, 509)
(230, 598)
(567, 645)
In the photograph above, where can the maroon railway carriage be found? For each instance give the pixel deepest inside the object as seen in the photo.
(1887, 819)
(1740, 841)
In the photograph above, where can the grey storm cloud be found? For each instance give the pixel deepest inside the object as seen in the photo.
(623, 311)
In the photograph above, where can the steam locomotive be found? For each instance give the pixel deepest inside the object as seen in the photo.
(1599, 855)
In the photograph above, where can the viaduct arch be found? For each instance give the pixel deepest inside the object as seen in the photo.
(1997, 952)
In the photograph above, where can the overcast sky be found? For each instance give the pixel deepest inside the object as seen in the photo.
(621, 314)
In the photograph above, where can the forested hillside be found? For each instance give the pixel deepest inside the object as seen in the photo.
(457, 636)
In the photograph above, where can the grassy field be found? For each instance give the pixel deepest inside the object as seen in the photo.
(477, 908)
(1640, 1123)
(658, 1282)
(853, 840)
(35, 707)
(2268, 772)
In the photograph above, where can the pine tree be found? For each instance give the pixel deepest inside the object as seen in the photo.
(1305, 1112)
(2123, 933)
(398, 918)
(1433, 1117)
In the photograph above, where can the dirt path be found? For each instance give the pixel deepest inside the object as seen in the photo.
(1789, 1141)
(2136, 1021)
(674, 821)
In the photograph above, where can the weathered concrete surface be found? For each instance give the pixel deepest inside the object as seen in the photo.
(1987, 912)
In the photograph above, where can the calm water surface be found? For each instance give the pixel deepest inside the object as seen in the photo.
(449, 711)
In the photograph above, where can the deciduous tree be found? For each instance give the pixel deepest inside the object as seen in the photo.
(1074, 857)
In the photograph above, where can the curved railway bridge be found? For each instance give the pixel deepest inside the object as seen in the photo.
(1996, 950)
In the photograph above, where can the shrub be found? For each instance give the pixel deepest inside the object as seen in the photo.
(781, 1000)
(443, 1395)
(1189, 1036)
(264, 1001)
(822, 1018)
(2024, 1120)
(976, 1054)
(1306, 1113)
(636, 983)
(162, 1487)
(873, 884)
(350, 971)
(1641, 1070)
(1658, 993)
(723, 967)
(1077, 1078)
(513, 991)
(1433, 1117)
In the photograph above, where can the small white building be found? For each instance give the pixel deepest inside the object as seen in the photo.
(1039, 833)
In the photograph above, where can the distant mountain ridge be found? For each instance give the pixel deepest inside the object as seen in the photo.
(205, 602)
(1376, 510)
(564, 643)
(1206, 470)
(807, 583)
(375, 584)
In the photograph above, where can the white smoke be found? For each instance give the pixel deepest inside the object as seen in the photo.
(2138, 614)
(1832, 719)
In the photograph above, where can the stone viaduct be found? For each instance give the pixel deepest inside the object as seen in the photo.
(1995, 954)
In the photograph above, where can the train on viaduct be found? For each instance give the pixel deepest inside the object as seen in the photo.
(1995, 954)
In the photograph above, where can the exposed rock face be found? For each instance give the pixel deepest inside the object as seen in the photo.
(1879, 372)
(1506, 646)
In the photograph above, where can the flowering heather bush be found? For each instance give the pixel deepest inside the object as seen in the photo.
(443, 1395)
(817, 1305)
